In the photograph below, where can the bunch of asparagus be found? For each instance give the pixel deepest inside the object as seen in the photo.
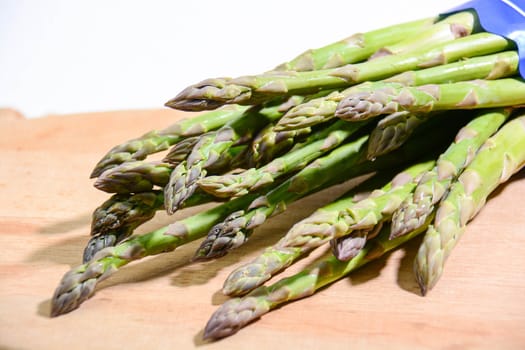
(429, 111)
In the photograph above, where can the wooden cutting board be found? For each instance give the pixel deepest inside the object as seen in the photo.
(164, 302)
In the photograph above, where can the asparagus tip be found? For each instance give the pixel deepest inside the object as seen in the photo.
(421, 282)
(223, 237)
(232, 316)
(96, 243)
(203, 254)
(192, 105)
(221, 324)
(60, 308)
(211, 248)
(64, 300)
(423, 289)
(347, 247)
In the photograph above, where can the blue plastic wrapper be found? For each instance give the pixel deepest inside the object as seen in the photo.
(501, 17)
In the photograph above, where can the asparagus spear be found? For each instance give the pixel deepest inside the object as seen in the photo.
(355, 48)
(395, 97)
(234, 231)
(233, 185)
(275, 258)
(183, 180)
(159, 140)
(349, 50)
(500, 156)
(340, 218)
(352, 49)
(369, 212)
(140, 176)
(125, 210)
(134, 176)
(269, 144)
(234, 158)
(347, 247)
(487, 67)
(79, 283)
(395, 129)
(392, 131)
(180, 151)
(238, 312)
(452, 27)
(119, 216)
(435, 183)
(212, 93)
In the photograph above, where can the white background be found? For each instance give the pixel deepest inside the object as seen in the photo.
(65, 57)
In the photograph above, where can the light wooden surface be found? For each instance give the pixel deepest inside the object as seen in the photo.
(164, 302)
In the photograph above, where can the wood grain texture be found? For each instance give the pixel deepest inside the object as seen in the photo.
(164, 302)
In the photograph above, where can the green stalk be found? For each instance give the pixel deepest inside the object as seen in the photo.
(353, 212)
(341, 164)
(489, 67)
(324, 171)
(134, 176)
(346, 247)
(434, 184)
(270, 144)
(183, 179)
(213, 93)
(160, 140)
(234, 185)
(452, 27)
(393, 97)
(118, 217)
(355, 48)
(79, 283)
(236, 313)
(500, 156)
(392, 131)
(143, 176)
